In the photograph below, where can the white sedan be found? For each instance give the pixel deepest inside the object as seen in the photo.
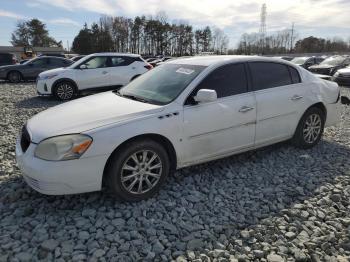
(95, 72)
(184, 112)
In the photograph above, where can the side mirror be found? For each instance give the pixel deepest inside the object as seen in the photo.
(206, 95)
(83, 67)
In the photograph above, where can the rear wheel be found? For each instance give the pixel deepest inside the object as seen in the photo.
(310, 128)
(14, 77)
(137, 170)
(64, 91)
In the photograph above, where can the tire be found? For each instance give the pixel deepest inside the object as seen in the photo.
(127, 177)
(310, 128)
(64, 91)
(14, 77)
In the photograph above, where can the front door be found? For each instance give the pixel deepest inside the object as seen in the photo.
(224, 126)
(94, 74)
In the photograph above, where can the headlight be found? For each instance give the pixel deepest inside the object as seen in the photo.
(46, 77)
(65, 147)
(336, 74)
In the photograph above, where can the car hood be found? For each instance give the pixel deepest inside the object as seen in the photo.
(87, 113)
(321, 66)
(344, 71)
(53, 71)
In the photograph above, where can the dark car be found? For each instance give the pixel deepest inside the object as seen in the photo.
(32, 68)
(77, 58)
(7, 59)
(330, 65)
(54, 54)
(307, 61)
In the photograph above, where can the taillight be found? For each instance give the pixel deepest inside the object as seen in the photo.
(148, 66)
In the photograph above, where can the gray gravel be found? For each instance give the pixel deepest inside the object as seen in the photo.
(275, 204)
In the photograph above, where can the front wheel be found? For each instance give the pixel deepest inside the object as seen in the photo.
(14, 77)
(137, 171)
(64, 91)
(310, 128)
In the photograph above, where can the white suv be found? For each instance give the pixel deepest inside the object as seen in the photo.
(95, 72)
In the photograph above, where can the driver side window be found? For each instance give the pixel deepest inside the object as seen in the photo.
(96, 62)
(226, 80)
(40, 62)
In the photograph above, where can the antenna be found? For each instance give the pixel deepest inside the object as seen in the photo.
(262, 31)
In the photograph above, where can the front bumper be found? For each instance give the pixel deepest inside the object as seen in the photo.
(333, 114)
(342, 81)
(60, 177)
(42, 87)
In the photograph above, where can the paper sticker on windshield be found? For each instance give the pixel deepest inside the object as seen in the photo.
(186, 71)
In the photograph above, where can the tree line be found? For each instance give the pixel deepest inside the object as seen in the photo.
(285, 41)
(148, 36)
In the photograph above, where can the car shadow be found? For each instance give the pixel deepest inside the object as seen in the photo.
(38, 102)
(204, 202)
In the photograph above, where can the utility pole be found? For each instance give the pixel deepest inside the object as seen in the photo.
(262, 30)
(68, 46)
(291, 38)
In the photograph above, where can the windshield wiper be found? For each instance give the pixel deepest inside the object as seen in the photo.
(136, 98)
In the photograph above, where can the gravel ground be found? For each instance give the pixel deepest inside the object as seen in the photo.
(275, 204)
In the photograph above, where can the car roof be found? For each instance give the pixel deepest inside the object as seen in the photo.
(223, 59)
(114, 54)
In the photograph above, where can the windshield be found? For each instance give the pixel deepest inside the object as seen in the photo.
(299, 60)
(333, 61)
(162, 84)
(29, 61)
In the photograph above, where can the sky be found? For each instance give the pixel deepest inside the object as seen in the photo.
(64, 18)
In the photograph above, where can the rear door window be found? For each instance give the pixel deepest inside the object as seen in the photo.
(267, 75)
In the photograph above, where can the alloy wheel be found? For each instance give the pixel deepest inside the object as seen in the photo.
(312, 128)
(65, 91)
(141, 172)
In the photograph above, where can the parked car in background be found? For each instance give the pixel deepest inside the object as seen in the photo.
(76, 58)
(287, 58)
(132, 139)
(32, 68)
(95, 72)
(54, 54)
(306, 61)
(342, 77)
(330, 65)
(7, 59)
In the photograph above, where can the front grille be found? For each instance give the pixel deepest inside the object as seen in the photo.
(25, 139)
(345, 76)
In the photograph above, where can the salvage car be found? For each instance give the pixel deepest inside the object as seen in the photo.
(95, 72)
(306, 61)
(330, 65)
(183, 112)
(30, 69)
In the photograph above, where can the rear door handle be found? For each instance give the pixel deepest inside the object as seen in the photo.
(104, 72)
(244, 109)
(296, 97)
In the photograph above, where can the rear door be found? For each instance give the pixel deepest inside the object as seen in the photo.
(95, 74)
(122, 70)
(281, 100)
(226, 125)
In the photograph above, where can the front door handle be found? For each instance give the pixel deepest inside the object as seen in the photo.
(104, 72)
(244, 109)
(296, 97)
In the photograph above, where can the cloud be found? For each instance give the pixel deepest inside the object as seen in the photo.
(4, 13)
(64, 21)
(235, 17)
